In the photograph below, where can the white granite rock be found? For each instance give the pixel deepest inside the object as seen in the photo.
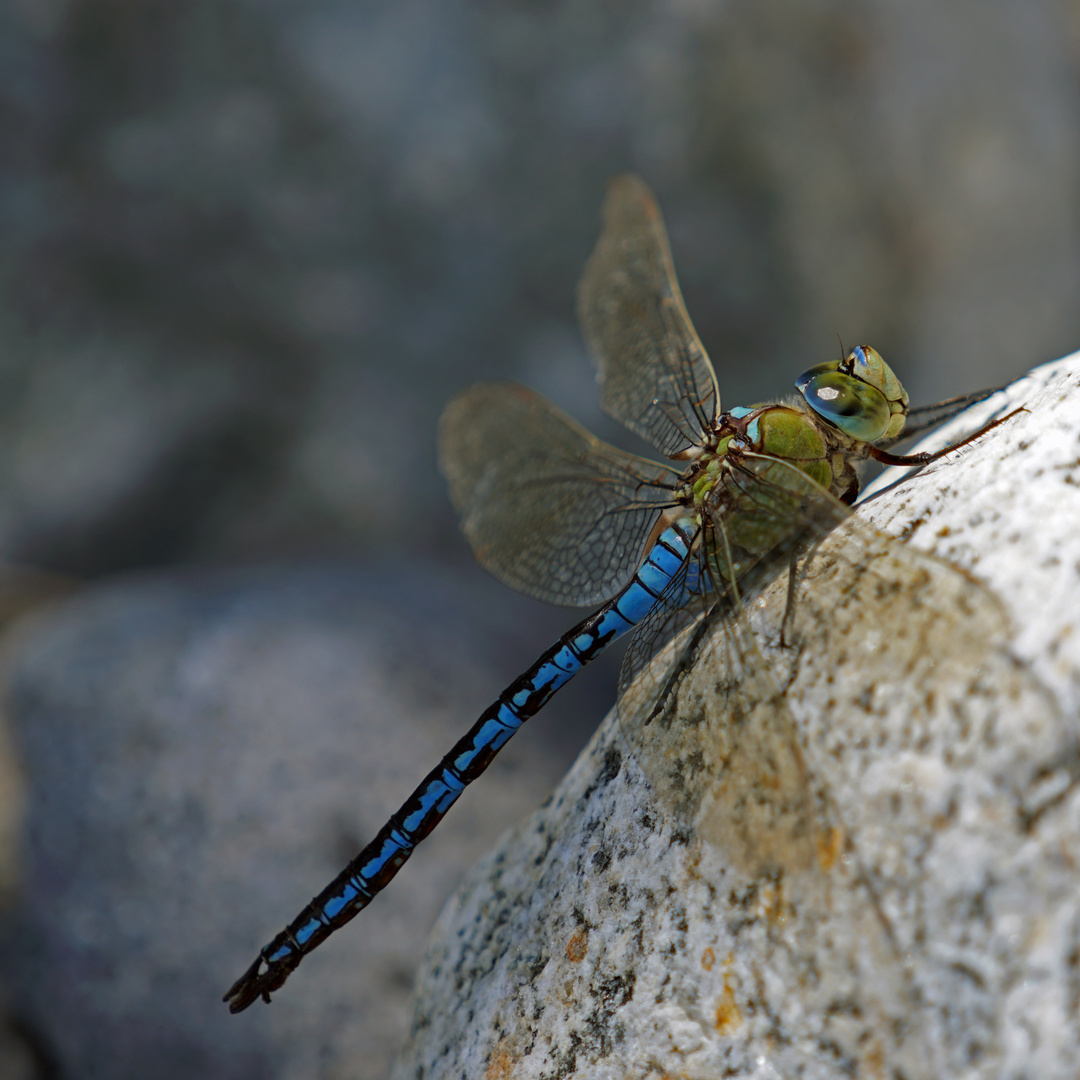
(919, 916)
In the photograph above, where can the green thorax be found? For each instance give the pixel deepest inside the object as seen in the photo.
(745, 514)
(785, 431)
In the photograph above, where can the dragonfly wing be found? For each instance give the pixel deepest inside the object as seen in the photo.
(655, 376)
(660, 650)
(727, 762)
(733, 770)
(709, 723)
(835, 751)
(548, 508)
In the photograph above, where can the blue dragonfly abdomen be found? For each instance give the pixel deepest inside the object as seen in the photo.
(373, 869)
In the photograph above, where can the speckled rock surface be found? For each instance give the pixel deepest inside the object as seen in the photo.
(927, 923)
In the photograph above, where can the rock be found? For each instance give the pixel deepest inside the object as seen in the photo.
(204, 752)
(925, 921)
(21, 590)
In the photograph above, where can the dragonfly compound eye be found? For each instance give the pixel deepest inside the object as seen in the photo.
(855, 407)
(866, 365)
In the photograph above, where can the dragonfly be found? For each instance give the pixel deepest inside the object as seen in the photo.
(670, 551)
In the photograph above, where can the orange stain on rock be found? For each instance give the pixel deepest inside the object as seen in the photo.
(728, 1014)
(577, 946)
(708, 958)
(500, 1065)
(693, 857)
(830, 847)
(772, 902)
(873, 1062)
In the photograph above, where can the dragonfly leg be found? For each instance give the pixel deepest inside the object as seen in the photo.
(789, 605)
(924, 459)
(923, 417)
(686, 661)
(798, 561)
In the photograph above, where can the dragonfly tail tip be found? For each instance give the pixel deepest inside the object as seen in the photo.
(247, 989)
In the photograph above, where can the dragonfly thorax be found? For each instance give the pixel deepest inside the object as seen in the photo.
(745, 492)
(789, 432)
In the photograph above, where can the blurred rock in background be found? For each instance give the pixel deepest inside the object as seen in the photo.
(249, 249)
(207, 751)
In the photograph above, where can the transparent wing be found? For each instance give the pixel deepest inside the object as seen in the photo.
(657, 657)
(548, 508)
(654, 375)
(729, 765)
(825, 819)
(898, 669)
(727, 758)
(734, 770)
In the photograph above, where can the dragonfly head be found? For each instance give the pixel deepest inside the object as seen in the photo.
(860, 395)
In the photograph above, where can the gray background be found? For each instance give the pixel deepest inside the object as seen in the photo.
(247, 251)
